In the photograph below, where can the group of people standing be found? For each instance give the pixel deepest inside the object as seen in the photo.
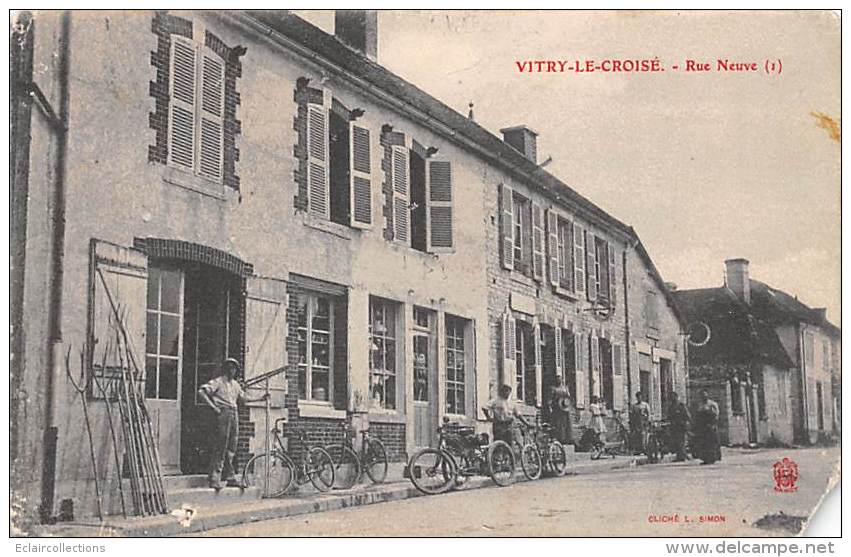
(702, 428)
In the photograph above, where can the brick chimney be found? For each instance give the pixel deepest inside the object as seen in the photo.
(358, 29)
(738, 279)
(524, 139)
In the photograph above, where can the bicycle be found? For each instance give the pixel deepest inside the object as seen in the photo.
(276, 473)
(460, 454)
(657, 442)
(615, 443)
(531, 460)
(350, 465)
(552, 451)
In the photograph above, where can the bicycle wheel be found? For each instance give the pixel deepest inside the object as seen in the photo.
(320, 469)
(432, 471)
(501, 463)
(557, 456)
(280, 470)
(530, 461)
(375, 461)
(346, 466)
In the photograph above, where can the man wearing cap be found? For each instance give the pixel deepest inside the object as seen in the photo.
(222, 394)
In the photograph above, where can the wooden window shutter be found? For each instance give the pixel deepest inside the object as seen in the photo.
(506, 225)
(578, 258)
(119, 288)
(401, 206)
(559, 351)
(266, 336)
(439, 205)
(318, 183)
(509, 348)
(581, 371)
(617, 377)
(360, 160)
(595, 365)
(552, 246)
(537, 242)
(613, 284)
(590, 267)
(181, 144)
(211, 153)
(539, 363)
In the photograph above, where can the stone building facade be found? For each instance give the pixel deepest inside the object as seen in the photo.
(243, 184)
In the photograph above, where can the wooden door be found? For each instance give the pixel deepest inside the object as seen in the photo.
(163, 365)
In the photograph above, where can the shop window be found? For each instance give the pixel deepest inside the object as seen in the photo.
(315, 348)
(383, 355)
(456, 366)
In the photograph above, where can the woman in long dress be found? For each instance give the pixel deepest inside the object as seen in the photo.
(707, 444)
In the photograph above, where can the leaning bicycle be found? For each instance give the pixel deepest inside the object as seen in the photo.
(275, 472)
(460, 454)
(612, 443)
(349, 465)
(552, 452)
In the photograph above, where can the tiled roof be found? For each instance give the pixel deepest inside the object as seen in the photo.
(330, 48)
(741, 332)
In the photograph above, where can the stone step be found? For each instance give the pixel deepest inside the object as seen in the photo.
(171, 483)
(206, 497)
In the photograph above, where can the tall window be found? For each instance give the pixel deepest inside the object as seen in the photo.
(455, 366)
(197, 90)
(825, 351)
(565, 254)
(382, 347)
(163, 333)
(525, 386)
(607, 372)
(315, 348)
(522, 235)
(601, 262)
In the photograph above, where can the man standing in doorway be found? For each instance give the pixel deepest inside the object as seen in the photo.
(223, 393)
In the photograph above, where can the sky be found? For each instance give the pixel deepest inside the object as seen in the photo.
(706, 166)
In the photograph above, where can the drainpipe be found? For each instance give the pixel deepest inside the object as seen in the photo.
(57, 254)
(20, 111)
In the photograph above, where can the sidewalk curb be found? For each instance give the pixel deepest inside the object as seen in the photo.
(268, 509)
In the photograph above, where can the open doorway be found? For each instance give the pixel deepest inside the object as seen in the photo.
(212, 331)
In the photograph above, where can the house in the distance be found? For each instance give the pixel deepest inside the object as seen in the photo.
(770, 361)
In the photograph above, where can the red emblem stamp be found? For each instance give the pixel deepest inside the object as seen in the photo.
(785, 475)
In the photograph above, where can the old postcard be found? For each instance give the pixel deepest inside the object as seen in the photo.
(488, 273)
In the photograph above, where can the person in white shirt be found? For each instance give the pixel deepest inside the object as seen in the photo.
(502, 411)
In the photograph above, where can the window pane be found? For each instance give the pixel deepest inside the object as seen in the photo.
(151, 333)
(168, 379)
(320, 353)
(150, 378)
(302, 310)
(390, 392)
(321, 317)
(377, 382)
(390, 321)
(169, 334)
(390, 356)
(170, 291)
(320, 390)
